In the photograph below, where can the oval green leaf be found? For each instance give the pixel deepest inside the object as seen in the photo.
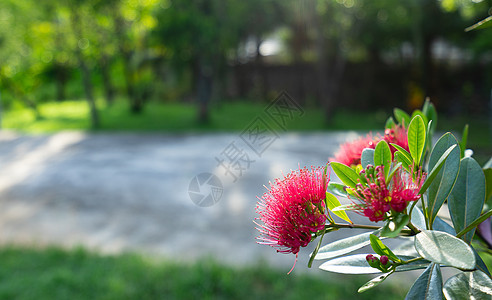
(374, 282)
(428, 286)
(357, 264)
(381, 248)
(416, 138)
(433, 173)
(444, 181)
(367, 157)
(346, 174)
(430, 112)
(441, 225)
(464, 138)
(351, 264)
(382, 156)
(406, 163)
(401, 116)
(344, 246)
(467, 198)
(332, 202)
(418, 218)
(338, 189)
(468, 285)
(443, 248)
(488, 184)
(390, 123)
(418, 112)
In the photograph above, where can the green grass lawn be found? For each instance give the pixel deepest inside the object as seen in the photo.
(228, 116)
(231, 116)
(79, 274)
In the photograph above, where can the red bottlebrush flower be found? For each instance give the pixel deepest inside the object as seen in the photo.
(292, 210)
(376, 198)
(396, 135)
(405, 189)
(350, 152)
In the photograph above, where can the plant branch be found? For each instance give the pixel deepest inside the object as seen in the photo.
(338, 226)
(412, 227)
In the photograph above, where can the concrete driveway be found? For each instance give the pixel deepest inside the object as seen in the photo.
(130, 192)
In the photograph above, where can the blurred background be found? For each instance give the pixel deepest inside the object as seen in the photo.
(110, 108)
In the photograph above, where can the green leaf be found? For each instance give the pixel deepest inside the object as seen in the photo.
(418, 112)
(468, 285)
(390, 123)
(337, 189)
(487, 170)
(401, 158)
(392, 172)
(401, 116)
(332, 202)
(485, 23)
(382, 156)
(381, 248)
(346, 174)
(393, 227)
(416, 138)
(440, 225)
(345, 207)
(444, 180)
(403, 151)
(430, 112)
(357, 264)
(351, 264)
(464, 138)
(480, 264)
(428, 286)
(488, 184)
(428, 140)
(374, 282)
(475, 223)
(488, 164)
(443, 248)
(367, 157)
(467, 198)
(344, 246)
(419, 264)
(433, 173)
(418, 218)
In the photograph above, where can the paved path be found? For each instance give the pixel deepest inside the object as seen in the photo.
(129, 192)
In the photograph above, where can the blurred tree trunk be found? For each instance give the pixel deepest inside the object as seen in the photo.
(261, 71)
(86, 73)
(329, 78)
(106, 79)
(204, 92)
(136, 103)
(61, 76)
(427, 14)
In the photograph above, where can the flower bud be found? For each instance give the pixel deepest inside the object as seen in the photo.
(373, 261)
(384, 260)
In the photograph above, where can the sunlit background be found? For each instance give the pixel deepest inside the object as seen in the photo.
(109, 108)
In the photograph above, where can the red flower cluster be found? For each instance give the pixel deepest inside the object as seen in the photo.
(350, 152)
(378, 198)
(292, 210)
(396, 135)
